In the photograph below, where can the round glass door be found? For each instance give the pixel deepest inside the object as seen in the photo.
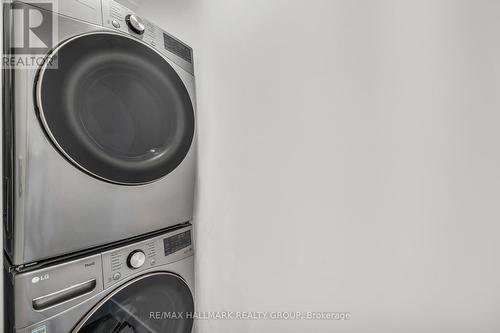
(156, 303)
(115, 108)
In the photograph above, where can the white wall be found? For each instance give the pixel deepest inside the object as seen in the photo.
(349, 161)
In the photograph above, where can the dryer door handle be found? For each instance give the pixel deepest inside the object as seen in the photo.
(61, 296)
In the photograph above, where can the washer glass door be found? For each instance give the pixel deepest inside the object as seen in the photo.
(155, 303)
(115, 108)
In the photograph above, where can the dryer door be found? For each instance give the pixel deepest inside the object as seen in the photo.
(153, 303)
(115, 108)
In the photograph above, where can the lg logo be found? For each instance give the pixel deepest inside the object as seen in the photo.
(37, 279)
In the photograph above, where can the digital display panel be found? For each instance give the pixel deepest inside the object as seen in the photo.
(176, 47)
(178, 242)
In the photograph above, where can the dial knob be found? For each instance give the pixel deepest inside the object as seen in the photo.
(136, 259)
(135, 23)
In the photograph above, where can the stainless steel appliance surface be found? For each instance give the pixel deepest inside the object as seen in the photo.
(99, 145)
(145, 286)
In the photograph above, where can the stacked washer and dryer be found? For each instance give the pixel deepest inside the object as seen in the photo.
(99, 168)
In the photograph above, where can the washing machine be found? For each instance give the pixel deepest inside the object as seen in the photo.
(141, 287)
(99, 139)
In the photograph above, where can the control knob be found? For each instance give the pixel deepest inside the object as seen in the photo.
(135, 23)
(136, 259)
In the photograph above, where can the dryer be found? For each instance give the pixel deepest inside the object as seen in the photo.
(99, 142)
(145, 287)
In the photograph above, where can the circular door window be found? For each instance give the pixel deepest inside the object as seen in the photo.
(115, 108)
(155, 303)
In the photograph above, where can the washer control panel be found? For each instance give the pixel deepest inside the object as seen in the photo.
(121, 263)
(120, 18)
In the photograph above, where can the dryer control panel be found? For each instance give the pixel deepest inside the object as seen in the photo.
(120, 18)
(121, 263)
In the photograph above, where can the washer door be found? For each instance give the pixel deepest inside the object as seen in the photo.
(154, 303)
(115, 108)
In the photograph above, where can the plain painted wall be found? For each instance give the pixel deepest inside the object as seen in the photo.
(349, 161)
